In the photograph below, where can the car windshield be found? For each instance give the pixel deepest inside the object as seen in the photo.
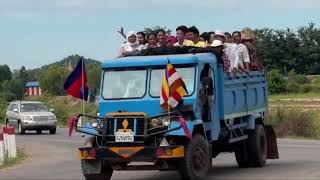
(187, 74)
(124, 84)
(33, 107)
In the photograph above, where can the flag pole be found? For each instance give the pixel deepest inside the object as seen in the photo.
(82, 79)
(167, 75)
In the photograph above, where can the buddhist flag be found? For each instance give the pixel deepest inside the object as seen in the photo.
(76, 83)
(172, 89)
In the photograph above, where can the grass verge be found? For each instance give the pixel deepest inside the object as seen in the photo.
(294, 96)
(9, 162)
(295, 122)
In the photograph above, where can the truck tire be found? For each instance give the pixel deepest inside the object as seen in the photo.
(106, 173)
(242, 155)
(196, 162)
(257, 147)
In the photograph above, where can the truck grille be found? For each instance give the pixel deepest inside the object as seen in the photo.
(135, 124)
(41, 118)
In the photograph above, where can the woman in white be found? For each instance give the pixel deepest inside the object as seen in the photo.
(131, 45)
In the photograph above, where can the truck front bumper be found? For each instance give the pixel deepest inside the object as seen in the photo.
(128, 154)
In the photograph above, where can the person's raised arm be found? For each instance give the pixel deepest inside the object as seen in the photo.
(121, 32)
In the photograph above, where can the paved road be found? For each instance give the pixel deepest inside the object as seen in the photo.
(55, 157)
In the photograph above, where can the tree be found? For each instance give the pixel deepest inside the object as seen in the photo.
(5, 73)
(94, 75)
(14, 86)
(155, 29)
(52, 80)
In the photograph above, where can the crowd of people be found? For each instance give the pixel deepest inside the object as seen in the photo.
(240, 50)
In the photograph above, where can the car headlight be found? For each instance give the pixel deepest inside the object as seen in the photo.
(52, 118)
(27, 118)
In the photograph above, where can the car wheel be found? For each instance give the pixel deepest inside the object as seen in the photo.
(39, 131)
(53, 130)
(20, 129)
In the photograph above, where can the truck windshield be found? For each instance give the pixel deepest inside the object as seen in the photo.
(33, 107)
(124, 84)
(187, 74)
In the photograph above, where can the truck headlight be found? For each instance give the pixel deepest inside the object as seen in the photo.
(26, 118)
(155, 122)
(160, 122)
(94, 124)
(165, 121)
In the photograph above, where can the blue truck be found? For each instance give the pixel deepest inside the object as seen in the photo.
(223, 112)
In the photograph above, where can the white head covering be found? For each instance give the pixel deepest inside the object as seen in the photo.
(130, 33)
(216, 43)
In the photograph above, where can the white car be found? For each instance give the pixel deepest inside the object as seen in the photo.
(30, 115)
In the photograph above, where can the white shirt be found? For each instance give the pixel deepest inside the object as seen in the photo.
(242, 56)
(231, 51)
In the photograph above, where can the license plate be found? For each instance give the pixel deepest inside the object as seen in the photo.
(124, 137)
(41, 123)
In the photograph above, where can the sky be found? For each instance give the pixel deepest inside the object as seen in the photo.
(34, 33)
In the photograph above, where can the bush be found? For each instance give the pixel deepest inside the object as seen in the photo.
(295, 82)
(315, 84)
(7, 96)
(276, 83)
(3, 109)
(294, 122)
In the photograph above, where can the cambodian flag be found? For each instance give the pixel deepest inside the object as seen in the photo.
(76, 83)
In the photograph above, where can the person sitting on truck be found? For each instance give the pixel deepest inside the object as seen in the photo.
(152, 41)
(211, 35)
(161, 37)
(181, 32)
(142, 38)
(243, 60)
(131, 45)
(249, 41)
(193, 35)
(170, 40)
(225, 58)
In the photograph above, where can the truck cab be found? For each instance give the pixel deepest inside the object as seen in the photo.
(222, 112)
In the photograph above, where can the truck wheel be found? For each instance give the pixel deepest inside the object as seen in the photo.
(241, 154)
(106, 173)
(196, 161)
(257, 147)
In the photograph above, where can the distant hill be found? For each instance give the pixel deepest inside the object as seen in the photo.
(68, 62)
(71, 60)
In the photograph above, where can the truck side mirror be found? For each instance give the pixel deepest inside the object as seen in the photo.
(51, 110)
(15, 110)
(208, 85)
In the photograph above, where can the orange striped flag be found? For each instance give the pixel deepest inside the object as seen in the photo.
(172, 89)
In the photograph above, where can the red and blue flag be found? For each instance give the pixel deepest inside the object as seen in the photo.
(76, 83)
